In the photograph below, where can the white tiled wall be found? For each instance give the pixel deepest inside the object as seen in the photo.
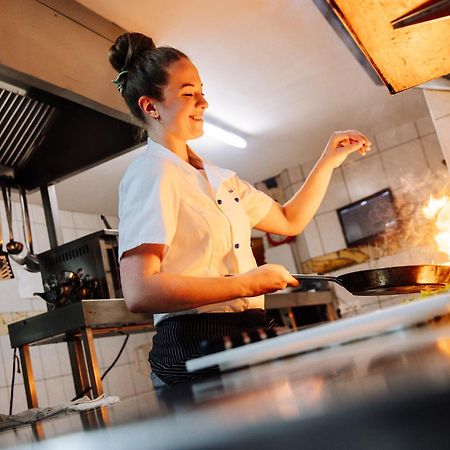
(405, 159)
(364, 176)
(328, 224)
(405, 152)
(439, 104)
(51, 363)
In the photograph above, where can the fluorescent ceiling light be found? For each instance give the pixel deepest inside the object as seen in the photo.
(224, 136)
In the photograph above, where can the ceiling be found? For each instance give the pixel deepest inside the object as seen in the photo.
(272, 69)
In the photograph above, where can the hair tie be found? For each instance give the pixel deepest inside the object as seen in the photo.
(119, 80)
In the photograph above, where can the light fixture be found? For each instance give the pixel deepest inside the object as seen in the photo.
(224, 136)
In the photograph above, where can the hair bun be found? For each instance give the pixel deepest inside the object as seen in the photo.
(127, 47)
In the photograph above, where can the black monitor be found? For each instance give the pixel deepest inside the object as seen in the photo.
(368, 218)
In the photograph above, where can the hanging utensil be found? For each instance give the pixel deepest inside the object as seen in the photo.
(21, 259)
(6, 272)
(13, 247)
(30, 260)
(389, 280)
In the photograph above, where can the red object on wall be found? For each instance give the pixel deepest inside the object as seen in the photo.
(278, 239)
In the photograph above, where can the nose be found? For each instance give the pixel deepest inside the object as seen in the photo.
(201, 102)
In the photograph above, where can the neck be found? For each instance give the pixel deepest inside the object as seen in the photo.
(175, 145)
(179, 147)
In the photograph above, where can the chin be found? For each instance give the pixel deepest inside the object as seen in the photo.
(197, 134)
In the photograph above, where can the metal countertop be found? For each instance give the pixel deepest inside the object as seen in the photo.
(386, 391)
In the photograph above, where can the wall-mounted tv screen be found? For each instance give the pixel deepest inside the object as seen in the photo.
(368, 218)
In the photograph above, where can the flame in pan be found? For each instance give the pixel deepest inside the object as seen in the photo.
(443, 345)
(438, 210)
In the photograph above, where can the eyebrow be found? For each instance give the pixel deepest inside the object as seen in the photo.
(188, 85)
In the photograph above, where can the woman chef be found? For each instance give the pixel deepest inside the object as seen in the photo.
(185, 223)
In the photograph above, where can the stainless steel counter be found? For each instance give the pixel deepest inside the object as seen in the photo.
(389, 391)
(77, 324)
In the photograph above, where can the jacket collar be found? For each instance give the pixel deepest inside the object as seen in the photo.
(216, 175)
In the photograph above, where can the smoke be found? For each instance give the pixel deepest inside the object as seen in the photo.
(412, 239)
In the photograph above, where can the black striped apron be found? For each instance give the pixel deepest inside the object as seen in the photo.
(178, 339)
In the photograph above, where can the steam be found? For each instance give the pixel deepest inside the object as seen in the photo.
(412, 240)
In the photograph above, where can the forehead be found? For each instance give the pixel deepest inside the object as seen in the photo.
(182, 72)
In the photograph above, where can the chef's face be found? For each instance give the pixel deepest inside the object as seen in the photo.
(181, 110)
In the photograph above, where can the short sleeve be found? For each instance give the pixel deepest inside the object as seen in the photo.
(148, 207)
(256, 203)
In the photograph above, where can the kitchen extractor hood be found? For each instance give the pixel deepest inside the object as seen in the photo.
(45, 138)
(404, 43)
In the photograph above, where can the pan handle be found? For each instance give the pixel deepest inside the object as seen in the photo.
(304, 277)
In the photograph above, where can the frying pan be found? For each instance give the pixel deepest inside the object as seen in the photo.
(389, 280)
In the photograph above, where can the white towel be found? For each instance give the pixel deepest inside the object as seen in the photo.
(34, 414)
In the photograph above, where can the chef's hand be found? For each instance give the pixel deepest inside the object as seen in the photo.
(266, 278)
(341, 144)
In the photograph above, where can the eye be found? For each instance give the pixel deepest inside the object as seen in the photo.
(188, 95)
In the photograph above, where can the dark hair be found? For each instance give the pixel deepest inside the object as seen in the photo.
(146, 68)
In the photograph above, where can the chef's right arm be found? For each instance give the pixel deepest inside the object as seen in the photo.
(146, 289)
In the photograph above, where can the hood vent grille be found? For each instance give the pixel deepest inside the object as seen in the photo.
(23, 125)
(46, 138)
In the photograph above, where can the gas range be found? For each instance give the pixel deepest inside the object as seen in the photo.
(330, 334)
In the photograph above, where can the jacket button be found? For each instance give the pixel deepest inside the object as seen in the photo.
(236, 199)
(219, 201)
(236, 245)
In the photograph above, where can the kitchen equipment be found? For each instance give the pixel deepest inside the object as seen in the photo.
(29, 261)
(239, 339)
(430, 10)
(61, 288)
(66, 287)
(13, 247)
(93, 258)
(6, 272)
(34, 124)
(389, 280)
(327, 335)
(377, 37)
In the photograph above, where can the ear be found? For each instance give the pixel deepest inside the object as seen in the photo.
(147, 106)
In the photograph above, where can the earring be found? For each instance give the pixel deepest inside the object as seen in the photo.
(154, 114)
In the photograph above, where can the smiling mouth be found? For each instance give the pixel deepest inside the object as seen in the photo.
(197, 118)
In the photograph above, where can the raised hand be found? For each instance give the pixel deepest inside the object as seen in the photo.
(342, 143)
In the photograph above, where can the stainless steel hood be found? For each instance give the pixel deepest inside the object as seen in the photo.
(404, 43)
(23, 124)
(45, 138)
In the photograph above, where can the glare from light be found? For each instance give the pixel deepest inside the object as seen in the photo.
(224, 136)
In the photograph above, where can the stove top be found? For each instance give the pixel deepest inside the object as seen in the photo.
(328, 334)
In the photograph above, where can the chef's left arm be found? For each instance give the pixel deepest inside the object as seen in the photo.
(292, 218)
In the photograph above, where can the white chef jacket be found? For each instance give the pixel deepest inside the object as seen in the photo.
(204, 219)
